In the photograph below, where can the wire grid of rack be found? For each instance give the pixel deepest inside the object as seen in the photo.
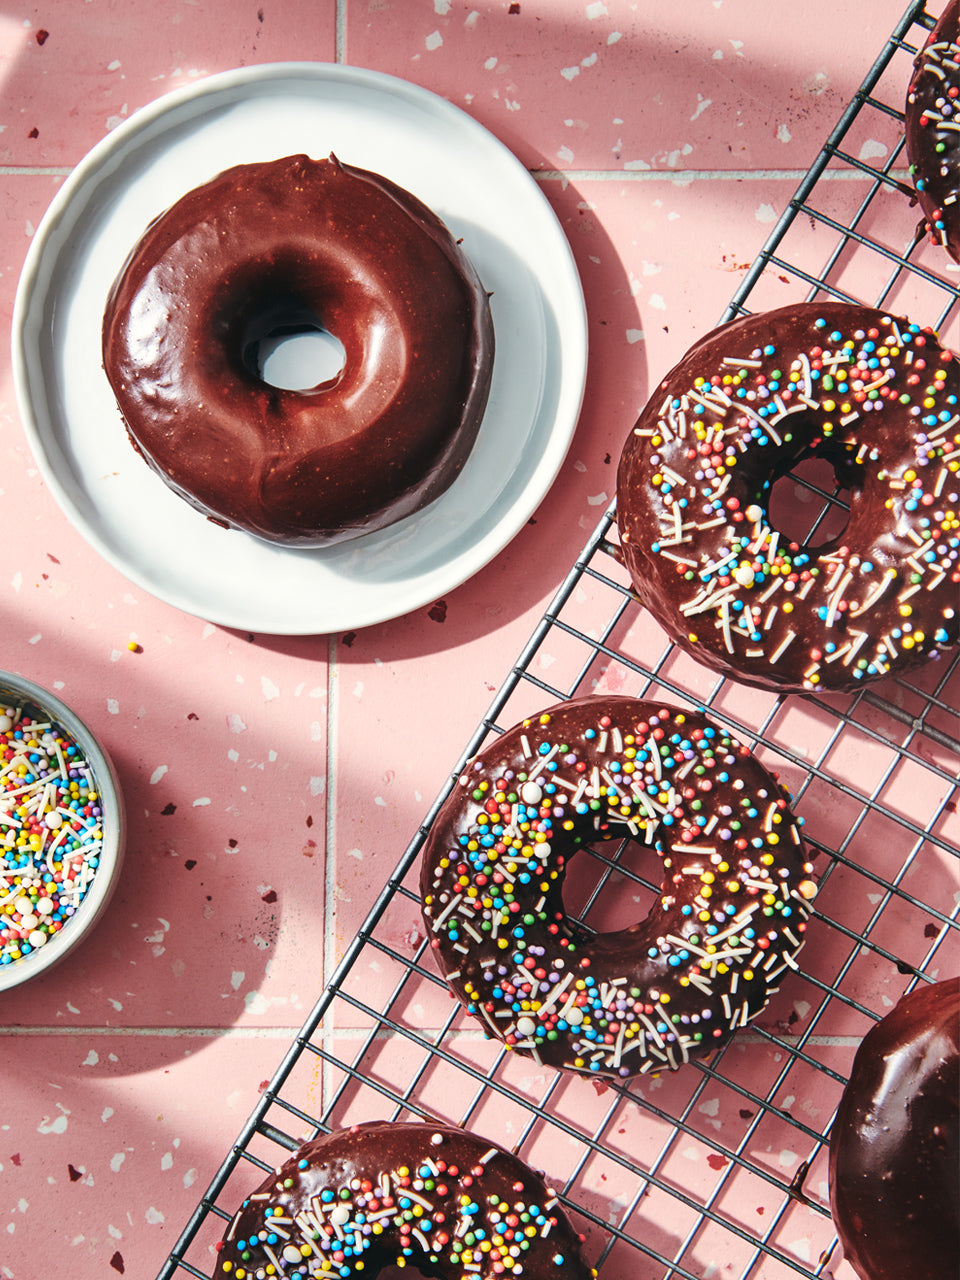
(719, 1168)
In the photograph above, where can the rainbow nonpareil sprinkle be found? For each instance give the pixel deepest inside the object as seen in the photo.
(51, 830)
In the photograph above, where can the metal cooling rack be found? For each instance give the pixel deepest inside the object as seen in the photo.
(719, 1168)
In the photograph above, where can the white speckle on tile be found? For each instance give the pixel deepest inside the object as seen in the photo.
(873, 150)
(596, 9)
(441, 7)
(318, 784)
(702, 104)
(114, 1004)
(636, 165)
(255, 1003)
(874, 898)
(157, 774)
(207, 630)
(490, 63)
(358, 689)
(57, 1125)
(179, 967)
(114, 65)
(471, 19)
(433, 41)
(379, 800)
(236, 979)
(652, 268)
(511, 104)
(711, 1107)
(105, 1114)
(580, 466)
(190, 1177)
(614, 37)
(634, 335)
(766, 213)
(568, 73)
(598, 499)
(113, 1231)
(656, 300)
(29, 228)
(233, 755)
(113, 706)
(235, 723)
(787, 1159)
(201, 801)
(817, 84)
(166, 1161)
(35, 639)
(316, 731)
(355, 853)
(17, 581)
(783, 133)
(802, 1007)
(270, 690)
(154, 1217)
(718, 55)
(800, 1249)
(737, 46)
(590, 60)
(565, 155)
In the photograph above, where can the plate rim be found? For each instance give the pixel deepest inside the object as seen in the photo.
(490, 542)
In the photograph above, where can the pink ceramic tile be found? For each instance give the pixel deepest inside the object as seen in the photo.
(613, 85)
(73, 72)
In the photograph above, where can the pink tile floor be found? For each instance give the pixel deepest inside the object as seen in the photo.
(272, 783)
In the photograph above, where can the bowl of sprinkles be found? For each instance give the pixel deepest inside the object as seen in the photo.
(61, 830)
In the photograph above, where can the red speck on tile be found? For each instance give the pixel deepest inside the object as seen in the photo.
(931, 930)
(168, 809)
(192, 715)
(745, 1115)
(15, 1159)
(514, 8)
(42, 36)
(34, 132)
(438, 612)
(309, 819)
(716, 1161)
(75, 1174)
(117, 1262)
(51, 556)
(190, 864)
(309, 849)
(269, 896)
(348, 638)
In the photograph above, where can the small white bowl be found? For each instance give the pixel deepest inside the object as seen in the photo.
(16, 691)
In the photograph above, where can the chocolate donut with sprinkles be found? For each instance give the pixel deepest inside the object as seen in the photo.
(438, 1199)
(879, 399)
(932, 120)
(727, 923)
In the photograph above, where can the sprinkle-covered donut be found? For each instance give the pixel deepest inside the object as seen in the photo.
(289, 246)
(932, 119)
(895, 1143)
(879, 399)
(441, 1200)
(727, 924)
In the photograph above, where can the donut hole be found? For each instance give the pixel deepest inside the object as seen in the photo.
(611, 885)
(285, 345)
(810, 503)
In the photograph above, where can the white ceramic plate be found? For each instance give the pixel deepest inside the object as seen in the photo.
(259, 113)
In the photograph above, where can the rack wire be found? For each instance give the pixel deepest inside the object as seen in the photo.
(719, 1168)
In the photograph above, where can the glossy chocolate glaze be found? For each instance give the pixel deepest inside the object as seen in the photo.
(895, 1143)
(380, 272)
(932, 119)
(442, 1200)
(879, 399)
(727, 924)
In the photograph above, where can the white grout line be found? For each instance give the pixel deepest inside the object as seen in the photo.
(349, 1033)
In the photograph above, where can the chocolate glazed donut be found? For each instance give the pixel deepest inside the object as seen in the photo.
(447, 1202)
(895, 1143)
(932, 118)
(879, 399)
(728, 922)
(295, 243)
